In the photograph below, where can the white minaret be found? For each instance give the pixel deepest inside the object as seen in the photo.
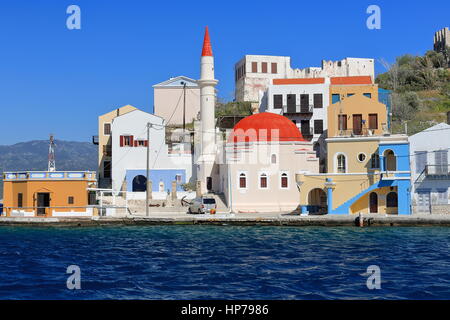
(207, 85)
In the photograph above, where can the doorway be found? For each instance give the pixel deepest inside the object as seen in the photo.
(357, 124)
(373, 202)
(209, 183)
(43, 202)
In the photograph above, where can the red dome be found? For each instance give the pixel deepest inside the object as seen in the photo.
(265, 126)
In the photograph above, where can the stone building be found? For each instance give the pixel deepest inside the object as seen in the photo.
(442, 42)
(253, 73)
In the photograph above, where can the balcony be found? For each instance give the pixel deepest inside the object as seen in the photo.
(360, 132)
(292, 110)
(438, 171)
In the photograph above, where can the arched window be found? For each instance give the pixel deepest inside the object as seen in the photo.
(263, 181)
(284, 181)
(341, 164)
(242, 181)
(273, 159)
(392, 200)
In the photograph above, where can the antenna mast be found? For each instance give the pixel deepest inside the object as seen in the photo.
(51, 154)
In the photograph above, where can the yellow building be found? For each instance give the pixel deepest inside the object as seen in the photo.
(49, 194)
(104, 144)
(345, 87)
(367, 167)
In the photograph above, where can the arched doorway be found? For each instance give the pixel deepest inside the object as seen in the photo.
(373, 202)
(317, 201)
(390, 160)
(139, 184)
(392, 203)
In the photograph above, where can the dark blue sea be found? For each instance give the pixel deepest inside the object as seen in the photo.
(208, 262)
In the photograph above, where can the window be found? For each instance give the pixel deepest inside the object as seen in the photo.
(291, 103)
(304, 103)
(70, 200)
(107, 150)
(392, 200)
(368, 95)
(274, 67)
(254, 67)
(107, 169)
(318, 100)
(373, 121)
(20, 200)
(341, 164)
(442, 197)
(107, 129)
(284, 181)
(423, 200)
(441, 161)
(318, 126)
(375, 161)
(350, 94)
(242, 181)
(277, 101)
(126, 141)
(140, 143)
(263, 181)
(361, 157)
(273, 159)
(342, 124)
(335, 98)
(178, 178)
(421, 161)
(264, 67)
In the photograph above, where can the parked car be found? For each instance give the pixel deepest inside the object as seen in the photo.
(203, 205)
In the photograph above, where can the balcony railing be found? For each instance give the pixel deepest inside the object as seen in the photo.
(437, 170)
(307, 132)
(359, 132)
(305, 110)
(49, 175)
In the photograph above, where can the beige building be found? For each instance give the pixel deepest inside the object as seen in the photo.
(264, 153)
(104, 144)
(177, 98)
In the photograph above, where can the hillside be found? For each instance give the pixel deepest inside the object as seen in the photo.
(33, 155)
(421, 91)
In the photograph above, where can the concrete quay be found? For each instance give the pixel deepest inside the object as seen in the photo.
(240, 219)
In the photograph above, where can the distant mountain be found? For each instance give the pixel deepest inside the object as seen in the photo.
(33, 155)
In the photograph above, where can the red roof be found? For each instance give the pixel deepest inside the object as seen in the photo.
(207, 49)
(299, 81)
(351, 80)
(265, 126)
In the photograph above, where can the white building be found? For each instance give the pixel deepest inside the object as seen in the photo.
(304, 101)
(254, 73)
(177, 100)
(129, 156)
(430, 168)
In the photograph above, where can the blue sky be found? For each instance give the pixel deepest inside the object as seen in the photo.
(57, 80)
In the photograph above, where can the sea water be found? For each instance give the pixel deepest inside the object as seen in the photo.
(224, 262)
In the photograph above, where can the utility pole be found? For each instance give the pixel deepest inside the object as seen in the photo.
(147, 195)
(184, 107)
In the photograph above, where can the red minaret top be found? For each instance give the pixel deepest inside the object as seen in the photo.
(207, 49)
